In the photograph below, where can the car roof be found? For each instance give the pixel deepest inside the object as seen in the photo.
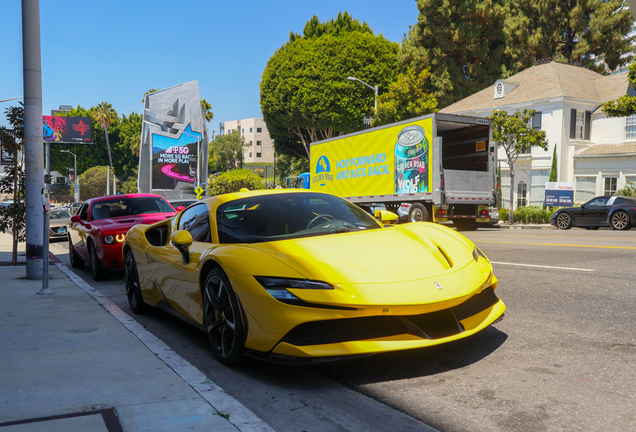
(134, 195)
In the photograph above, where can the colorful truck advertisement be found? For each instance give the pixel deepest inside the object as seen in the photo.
(392, 160)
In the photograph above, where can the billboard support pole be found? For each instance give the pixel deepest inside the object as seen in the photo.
(48, 167)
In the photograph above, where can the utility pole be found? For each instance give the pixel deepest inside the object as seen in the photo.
(34, 182)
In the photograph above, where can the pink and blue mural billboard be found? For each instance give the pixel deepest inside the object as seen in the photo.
(174, 159)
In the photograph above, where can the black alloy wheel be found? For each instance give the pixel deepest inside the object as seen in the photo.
(98, 270)
(133, 288)
(564, 221)
(418, 213)
(223, 318)
(620, 221)
(76, 261)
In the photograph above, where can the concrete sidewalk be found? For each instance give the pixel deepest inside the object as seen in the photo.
(73, 361)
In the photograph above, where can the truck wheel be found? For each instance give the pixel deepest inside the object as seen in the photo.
(465, 224)
(418, 213)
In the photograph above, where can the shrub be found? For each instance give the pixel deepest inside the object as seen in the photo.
(234, 181)
(529, 214)
(629, 190)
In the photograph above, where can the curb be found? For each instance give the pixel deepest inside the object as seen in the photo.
(225, 405)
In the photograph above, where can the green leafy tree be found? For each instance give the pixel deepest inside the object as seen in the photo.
(105, 116)
(130, 185)
(226, 152)
(290, 166)
(126, 149)
(234, 181)
(460, 41)
(553, 170)
(13, 216)
(305, 94)
(406, 98)
(148, 92)
(515, 135)
(590, 32)
(93, 182)
(626, 104)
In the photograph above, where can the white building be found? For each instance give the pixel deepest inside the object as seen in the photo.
(260, 147)
(597, 153)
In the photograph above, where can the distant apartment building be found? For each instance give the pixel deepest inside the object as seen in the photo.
(260, 147)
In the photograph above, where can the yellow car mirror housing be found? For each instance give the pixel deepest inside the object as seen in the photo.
(182, 240)
(386, 217)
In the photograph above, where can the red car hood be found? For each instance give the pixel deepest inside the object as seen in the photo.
(123, 223)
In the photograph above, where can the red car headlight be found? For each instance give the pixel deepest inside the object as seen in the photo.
(119, 238)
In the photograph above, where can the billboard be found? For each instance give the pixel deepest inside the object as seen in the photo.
(392, 160)
(174, 159)
(559, 194)
(70, 130)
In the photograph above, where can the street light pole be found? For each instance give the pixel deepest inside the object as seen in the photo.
(375, 90)
(75, 195)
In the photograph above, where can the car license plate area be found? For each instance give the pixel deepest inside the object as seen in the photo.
(483, 219)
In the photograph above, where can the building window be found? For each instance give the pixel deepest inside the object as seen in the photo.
(522, 194)
(505, 189)
(250, 154)
(259, 129)
(580, 125)
(258, 155)
(631, 179)
(538, 179)
(630, 127)
(610, 186)
(242, 130)
(584, 189)
(250, 130)
(258, 143)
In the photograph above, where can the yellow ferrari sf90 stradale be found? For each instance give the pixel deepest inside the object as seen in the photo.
(291, 275)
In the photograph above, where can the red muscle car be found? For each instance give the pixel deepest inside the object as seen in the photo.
(98, 229)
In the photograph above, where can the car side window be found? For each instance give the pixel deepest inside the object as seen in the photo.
(196, 220)
(83, 212)
(619, 201)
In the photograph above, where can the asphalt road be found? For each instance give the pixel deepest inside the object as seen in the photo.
(563, 358)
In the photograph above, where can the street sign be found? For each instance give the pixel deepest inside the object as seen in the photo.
(199, 191)
(559, 194)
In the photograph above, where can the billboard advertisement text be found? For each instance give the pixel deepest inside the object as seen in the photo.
(174, 159)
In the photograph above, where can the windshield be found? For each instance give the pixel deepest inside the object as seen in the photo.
(129, 206)
(286, 216)
(61, 214)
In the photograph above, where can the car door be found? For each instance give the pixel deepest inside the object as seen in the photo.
(78, 232)
(179, 281)
(591, 213)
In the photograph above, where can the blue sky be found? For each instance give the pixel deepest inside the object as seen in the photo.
(117, 50)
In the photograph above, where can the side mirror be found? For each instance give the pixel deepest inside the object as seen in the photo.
(182, 240)
(179, 208)
(75, 219)
(582, 206)
(386, 217)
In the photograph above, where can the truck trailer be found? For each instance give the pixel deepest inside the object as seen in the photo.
(444, 165)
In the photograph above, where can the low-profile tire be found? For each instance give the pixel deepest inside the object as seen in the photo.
(223, 318)
(564, 221)
(133, 287)
(76, 261)
(465, 224)
(418, 213)
(620, 221)
(98, 270)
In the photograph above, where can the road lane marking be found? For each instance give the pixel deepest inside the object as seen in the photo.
(489, 233)
(557, 244)
(542, 266)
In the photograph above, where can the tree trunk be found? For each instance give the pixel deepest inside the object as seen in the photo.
(512, 195)
(110, 159)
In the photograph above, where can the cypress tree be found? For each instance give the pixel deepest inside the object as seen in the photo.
(553, 171)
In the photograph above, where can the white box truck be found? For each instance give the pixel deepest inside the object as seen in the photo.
(444, 165)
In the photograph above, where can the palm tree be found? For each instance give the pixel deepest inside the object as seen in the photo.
(105, 115)
(207, 110)
(149, 91)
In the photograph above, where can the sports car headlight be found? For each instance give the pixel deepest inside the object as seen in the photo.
(277, 287)
(477, 253)
(119, 238)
